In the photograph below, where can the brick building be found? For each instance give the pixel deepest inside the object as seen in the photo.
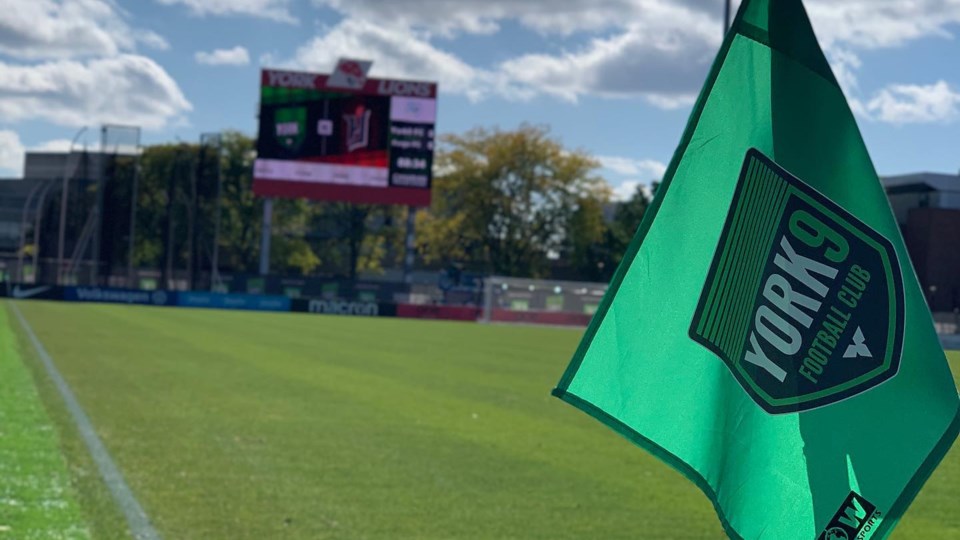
(927, 207)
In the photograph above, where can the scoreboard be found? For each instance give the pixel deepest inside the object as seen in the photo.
(369, 143)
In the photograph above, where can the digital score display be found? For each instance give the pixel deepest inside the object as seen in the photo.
(369, 143)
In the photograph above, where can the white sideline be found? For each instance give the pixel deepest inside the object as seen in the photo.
(137, 519)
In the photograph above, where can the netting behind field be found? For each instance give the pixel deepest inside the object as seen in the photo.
(541, 301)
(122, 140)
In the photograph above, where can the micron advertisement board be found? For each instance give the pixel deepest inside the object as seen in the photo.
(365, 141)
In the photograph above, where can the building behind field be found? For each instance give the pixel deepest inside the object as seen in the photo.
(927, 207)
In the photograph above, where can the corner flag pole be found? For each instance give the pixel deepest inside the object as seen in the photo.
(726, 17)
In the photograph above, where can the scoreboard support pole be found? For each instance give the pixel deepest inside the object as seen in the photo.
(410, 244)
(266, 231)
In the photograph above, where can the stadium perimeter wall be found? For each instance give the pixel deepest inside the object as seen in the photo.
(284, 304)
(241, 301)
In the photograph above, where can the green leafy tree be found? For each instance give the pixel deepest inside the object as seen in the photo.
(626, 220)
(241, 211)
(353, 238)
(589, 251)
(504, 200)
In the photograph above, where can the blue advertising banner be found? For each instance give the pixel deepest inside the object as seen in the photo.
(120, 296)
(256, 302)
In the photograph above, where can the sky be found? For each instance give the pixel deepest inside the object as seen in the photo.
(615, 78)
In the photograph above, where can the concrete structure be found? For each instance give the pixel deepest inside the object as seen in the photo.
(13, 196)
(41, 187)
(927, 207)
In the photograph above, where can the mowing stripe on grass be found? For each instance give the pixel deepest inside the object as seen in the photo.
(136, 517)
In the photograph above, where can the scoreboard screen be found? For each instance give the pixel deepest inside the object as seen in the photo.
(372, 143)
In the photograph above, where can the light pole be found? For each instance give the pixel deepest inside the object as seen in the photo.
(63, 208)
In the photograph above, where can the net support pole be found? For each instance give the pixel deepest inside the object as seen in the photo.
(41, 203)
(23, 231)
(410, 244)
(64, 193)
(98, 209)
(131, 235)
(266, 231)
(215, 263)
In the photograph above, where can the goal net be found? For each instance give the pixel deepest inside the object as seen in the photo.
(538, 301)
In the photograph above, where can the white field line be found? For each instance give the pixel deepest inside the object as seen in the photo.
(137, 519)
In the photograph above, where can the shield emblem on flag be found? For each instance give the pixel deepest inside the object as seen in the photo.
(290, 127)
(804, 302)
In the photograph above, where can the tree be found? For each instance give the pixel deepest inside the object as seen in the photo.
(504, 200)
(241, 211)
(626, 220)
(590, 255)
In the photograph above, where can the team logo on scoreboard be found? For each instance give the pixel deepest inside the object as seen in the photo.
(358, 129)
(803, 301)
(290, 126)
(351, 74)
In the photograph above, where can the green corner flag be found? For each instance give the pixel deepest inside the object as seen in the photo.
(766, 334)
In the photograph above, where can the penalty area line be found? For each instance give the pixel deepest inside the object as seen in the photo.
(137, 519)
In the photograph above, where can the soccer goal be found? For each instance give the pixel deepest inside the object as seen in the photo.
(538, 301)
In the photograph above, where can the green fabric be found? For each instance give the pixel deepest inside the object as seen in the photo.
(638, 369)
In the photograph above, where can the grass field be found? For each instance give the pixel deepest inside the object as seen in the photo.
(244, 425)
(36, 499)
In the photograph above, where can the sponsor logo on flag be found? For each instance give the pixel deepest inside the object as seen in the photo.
(854, 520)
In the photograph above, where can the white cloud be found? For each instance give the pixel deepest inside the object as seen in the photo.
(647, 168)
(448, 17)
(153, 40)
(911, 104)
(658, 50)
(863, 23)
(399, 52)
(666, 64)
(624, 191)
(55, 145)
(275, 10)
(872, 24)
(663, 56)
(11, 153)
(36, 29)
(237, 56)
(127, 89)
(76, 64)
